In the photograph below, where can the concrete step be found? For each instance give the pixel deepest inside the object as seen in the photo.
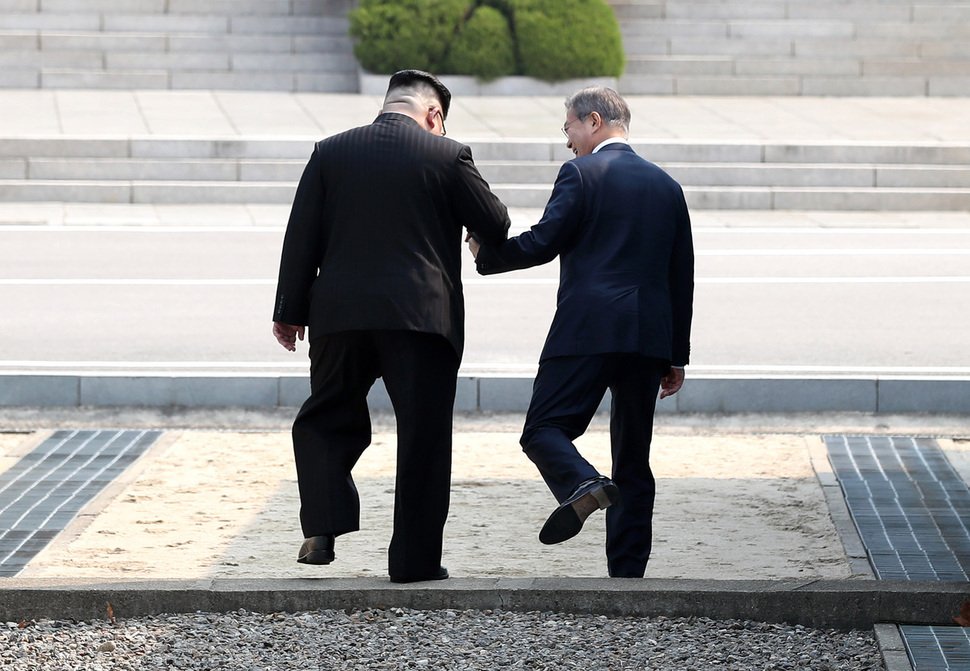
(503, 151)
(496, 172)
(161, 192)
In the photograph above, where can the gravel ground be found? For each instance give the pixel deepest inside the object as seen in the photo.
(447, 639)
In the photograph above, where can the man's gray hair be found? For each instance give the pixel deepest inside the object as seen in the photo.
(603, 100)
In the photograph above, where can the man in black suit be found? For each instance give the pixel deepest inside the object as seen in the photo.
(371, 267)
(621, 229)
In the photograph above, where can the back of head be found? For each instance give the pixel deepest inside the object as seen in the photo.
(418, 90)
(603, 100)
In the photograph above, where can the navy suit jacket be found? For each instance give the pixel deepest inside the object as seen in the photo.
(374, 239)
(621, 229)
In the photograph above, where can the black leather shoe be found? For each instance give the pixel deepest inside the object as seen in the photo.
(567, 520)
(317, 550)
(442, 574)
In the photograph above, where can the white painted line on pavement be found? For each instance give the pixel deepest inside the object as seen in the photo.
(481, 367)
(831, 252)
(486, 282)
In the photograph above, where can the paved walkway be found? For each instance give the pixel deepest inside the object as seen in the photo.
(26, 114)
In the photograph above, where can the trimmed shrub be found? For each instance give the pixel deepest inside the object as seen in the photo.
(484, 47)
(395, 35)
(562, 39)
(550, 40)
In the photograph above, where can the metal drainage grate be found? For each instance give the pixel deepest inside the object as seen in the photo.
(43, 491)
(937, 648)
(911, 508)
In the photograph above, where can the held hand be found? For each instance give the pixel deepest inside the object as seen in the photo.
(672, 382)
(287, 334)
(473, 245)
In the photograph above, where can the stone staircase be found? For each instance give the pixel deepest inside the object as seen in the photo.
(796, 47)
(273, 45)
(736, 47)
(715, 175)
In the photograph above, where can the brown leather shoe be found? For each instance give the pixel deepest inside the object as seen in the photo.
(317, 550)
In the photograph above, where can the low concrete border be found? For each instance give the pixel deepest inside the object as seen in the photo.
(460, 85)
(830, 604)
(703, 394)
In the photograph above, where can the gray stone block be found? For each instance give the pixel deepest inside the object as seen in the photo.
(302, 62)
(20, 79)
(45, 21)
(797, 66)
(777, 395)
(646, 85)
(725, 151)
(523, 172)
(103, 42)
(58, 147)
(923, 176)
(212, 192)
(504, 394)
(839, 48)
(673, 28)
(729, 198)
(105, 6)
(949, 86)
(770, 175)
(854, 11)
(907, 30)
(133, 169)
(466, 394)
(13, 168)
(327, 82)
(510, 150)
(19, 41)
(738, 86)
(754, 30)
(17, 389)
(293, 390)
(73, 79)
(681, 46)
(289, 25)
(146, 61)
(523, 195)
(77, 192)
(229, 7)
(713, 65)
(924, 395)
(127, 390)
(230, 43)
(726, 10)
(227, 391)
(271, 171)
(235, 81)
(377, 398)
(164, 23)
(864, 86)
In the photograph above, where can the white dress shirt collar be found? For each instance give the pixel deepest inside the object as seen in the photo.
(610, 140)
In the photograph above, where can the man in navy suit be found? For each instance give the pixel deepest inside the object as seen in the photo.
(621, 230)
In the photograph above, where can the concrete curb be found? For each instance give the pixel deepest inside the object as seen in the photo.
(704, 394)
(827, 604)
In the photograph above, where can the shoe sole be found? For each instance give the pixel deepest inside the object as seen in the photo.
(317, 557)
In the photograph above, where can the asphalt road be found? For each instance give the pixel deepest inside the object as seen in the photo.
(773, 295)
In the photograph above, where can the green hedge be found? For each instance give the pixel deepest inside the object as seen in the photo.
(550, 40)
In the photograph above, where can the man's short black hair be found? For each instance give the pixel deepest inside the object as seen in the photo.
(406, 78)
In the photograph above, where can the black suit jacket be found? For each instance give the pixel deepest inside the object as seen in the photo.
(374, 238)
(621, 229)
